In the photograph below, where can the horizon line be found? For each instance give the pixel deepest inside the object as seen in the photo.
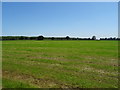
(60, 36)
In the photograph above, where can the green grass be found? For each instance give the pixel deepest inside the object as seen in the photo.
(60, 64)
(15, 84)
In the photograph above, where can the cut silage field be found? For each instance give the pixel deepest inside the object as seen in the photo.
(59, 64)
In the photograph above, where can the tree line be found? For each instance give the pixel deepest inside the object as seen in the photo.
(52, 38)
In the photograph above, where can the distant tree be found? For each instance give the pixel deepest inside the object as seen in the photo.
(21, 38)
(105, 38)
(26, 38)
(114, 38)
(40, 38)
(52, 38)
(110, 38)
(93, 37)
(67, 37)
(88, 38)
(31, 38)
(0, 37)
(60, 38)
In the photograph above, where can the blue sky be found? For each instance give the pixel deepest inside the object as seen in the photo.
(75, 19)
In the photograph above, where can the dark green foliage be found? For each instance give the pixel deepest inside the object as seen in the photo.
(51, 38)
(94, 38)
(40, 38)
(67, 37)
(21, 38)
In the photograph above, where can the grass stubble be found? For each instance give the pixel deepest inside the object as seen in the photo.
(59, 64)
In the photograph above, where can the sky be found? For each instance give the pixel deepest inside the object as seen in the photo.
(0, 18)
(60, 19)
(60, 0)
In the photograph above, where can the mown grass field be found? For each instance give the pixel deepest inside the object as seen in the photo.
(60, 64)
